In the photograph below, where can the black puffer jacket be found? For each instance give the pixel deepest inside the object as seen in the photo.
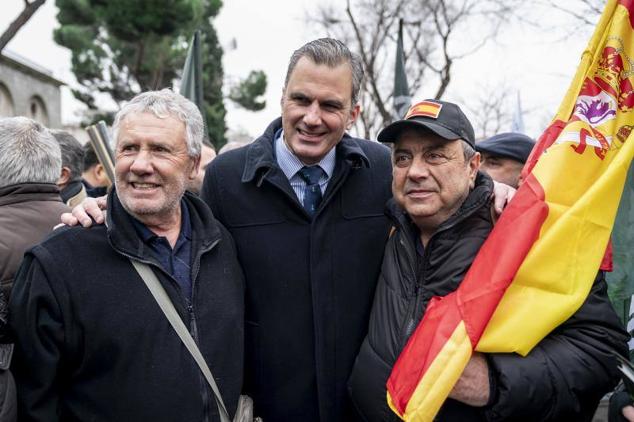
(563, 378)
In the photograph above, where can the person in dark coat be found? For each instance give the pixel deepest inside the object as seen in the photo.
(30, 204)
(93, 176)
(72, 189)
(91, 341)
(310, 265)
(440, 213)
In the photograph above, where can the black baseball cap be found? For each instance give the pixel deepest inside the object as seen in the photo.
(443, 118)
(515, 146)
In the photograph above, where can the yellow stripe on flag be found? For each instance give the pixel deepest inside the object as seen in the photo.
(438, 381)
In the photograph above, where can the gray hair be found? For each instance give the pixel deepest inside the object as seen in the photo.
(163, 104)
(332, 53)
(72, 153)
(468, 151)
(28, 153)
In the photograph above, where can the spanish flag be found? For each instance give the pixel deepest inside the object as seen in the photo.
(538, 265)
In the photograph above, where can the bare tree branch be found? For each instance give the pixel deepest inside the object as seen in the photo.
(368, 61)
(29, 9)
(583, 16)
(433, 32)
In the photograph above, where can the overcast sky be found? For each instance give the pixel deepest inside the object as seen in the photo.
(537, 61)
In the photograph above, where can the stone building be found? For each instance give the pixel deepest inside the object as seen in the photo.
(27, 89)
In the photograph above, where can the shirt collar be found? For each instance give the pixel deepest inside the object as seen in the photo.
(148, 235)
(290, 164)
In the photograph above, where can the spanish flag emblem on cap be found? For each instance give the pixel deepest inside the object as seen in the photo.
(429, 109)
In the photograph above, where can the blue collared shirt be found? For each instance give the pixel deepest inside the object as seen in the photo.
(176, 262)
(291, 165)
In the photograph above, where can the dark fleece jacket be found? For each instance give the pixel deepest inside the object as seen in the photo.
(92, 343)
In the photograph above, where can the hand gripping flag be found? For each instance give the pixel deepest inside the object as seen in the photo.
(539, 262)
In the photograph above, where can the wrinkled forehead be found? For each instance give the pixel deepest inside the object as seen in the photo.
(149, 125)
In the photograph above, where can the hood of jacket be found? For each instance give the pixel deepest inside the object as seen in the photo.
(25, 192)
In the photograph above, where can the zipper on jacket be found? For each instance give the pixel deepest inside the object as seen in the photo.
(419, 272)
(205, 388)
(410, 250)
(193, 328)
(421, 298)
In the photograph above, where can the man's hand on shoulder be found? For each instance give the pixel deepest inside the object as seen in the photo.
(502, 195)
(82, 213)
(473, 386)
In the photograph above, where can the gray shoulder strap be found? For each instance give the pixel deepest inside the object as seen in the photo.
(175, 320)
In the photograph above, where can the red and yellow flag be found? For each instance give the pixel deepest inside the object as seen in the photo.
(539, 263)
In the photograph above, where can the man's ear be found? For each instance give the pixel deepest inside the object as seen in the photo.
(64, 177)
(194, 171)
(354, 114)
(99, 173)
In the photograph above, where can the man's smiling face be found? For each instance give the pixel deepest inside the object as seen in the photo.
(152, 165)
(317, 108)
(431, 178)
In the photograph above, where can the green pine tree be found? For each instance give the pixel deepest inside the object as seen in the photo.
(123, 47)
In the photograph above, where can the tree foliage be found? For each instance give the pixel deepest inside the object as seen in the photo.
(249, 93)
(123, 47)
(437, 33)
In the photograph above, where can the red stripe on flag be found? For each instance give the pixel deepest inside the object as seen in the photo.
(440, 321)
(629, 5)
(607, 264)
(498, 260)
(545, 141)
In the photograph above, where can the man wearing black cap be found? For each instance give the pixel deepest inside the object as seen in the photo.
(504, 155)
(440, 214)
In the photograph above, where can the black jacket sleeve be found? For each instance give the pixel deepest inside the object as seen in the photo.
(567, 373)
(209, 191)
(35, 320)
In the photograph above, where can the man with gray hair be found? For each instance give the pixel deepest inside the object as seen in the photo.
(91, 341)
(72, 190)
(30, 205)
